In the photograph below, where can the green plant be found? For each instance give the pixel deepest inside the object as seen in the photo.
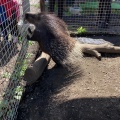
(30, 42)
(36, 5)
(81, 30)
(23, 68)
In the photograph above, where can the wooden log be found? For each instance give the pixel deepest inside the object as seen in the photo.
(35, 71)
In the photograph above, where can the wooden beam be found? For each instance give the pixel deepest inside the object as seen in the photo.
(35, 71)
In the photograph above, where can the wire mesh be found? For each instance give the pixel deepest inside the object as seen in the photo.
(13, 52)
(97, 16)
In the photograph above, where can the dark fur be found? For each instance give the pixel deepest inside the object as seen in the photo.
(51, 33)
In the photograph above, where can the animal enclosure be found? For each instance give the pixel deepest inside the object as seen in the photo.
(95, 16)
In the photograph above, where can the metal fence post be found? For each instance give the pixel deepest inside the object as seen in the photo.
(25, 6)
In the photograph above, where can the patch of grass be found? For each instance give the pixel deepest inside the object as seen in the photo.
(6, 75)
(18, 92)
(28, 55)
(30, 42)
(36, 5)
(23, 68)
(20, 39)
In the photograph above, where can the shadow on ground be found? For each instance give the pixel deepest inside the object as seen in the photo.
(39, 103)
(78, 95)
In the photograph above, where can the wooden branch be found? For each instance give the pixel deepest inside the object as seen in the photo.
(34, 72)
(95, 49)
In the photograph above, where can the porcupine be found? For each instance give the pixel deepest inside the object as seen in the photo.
(53, 38)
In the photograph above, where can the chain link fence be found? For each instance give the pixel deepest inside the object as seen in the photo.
(13, 53)
(96, 16)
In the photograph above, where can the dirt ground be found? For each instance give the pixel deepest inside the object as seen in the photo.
(94, 94)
